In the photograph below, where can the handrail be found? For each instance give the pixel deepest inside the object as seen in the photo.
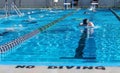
(16, 9)
(9, 45)
(6, 9)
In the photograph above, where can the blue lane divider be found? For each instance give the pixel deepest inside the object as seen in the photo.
(9, 45)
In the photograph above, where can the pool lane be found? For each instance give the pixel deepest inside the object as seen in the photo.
(22, 26)
(51, 44)
(62, 40)
(11, 44)
(58, 41)
(107, 37)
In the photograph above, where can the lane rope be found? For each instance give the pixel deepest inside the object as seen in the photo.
(9, 45)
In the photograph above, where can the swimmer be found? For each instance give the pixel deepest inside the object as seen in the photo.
(30, 21)
(9, 29)
(86, 22)
(86, 12)
(89, 26)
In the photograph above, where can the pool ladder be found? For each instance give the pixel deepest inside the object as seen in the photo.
(14, 7)
(6, 9)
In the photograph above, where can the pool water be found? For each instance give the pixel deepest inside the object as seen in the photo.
(64, 43)
(21, 25)
(107, 38)
(117, 11)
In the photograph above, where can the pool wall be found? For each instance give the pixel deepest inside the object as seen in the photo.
(115, 14)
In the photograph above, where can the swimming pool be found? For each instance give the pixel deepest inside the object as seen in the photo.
(64, 43)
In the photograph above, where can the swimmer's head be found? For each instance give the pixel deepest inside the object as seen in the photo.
(85, 12)
(85, 21)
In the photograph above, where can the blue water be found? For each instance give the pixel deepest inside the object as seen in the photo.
(65, 42)
(21, 25)
(117, 11)
(107, 38)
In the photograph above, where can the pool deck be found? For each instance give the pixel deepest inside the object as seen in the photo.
(57, 69)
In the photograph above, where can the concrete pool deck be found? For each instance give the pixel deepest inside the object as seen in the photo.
(57, 69)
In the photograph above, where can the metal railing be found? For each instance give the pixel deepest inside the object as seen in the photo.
(14, 7)
(6, 9)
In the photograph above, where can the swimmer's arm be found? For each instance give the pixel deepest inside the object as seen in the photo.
(91, 24)
(81, 24)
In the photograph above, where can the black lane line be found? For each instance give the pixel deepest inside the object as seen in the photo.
(78, 53)
(87, 43)
(91, 47)
(79, 49)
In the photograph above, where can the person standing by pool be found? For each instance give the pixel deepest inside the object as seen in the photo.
(94, 5)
